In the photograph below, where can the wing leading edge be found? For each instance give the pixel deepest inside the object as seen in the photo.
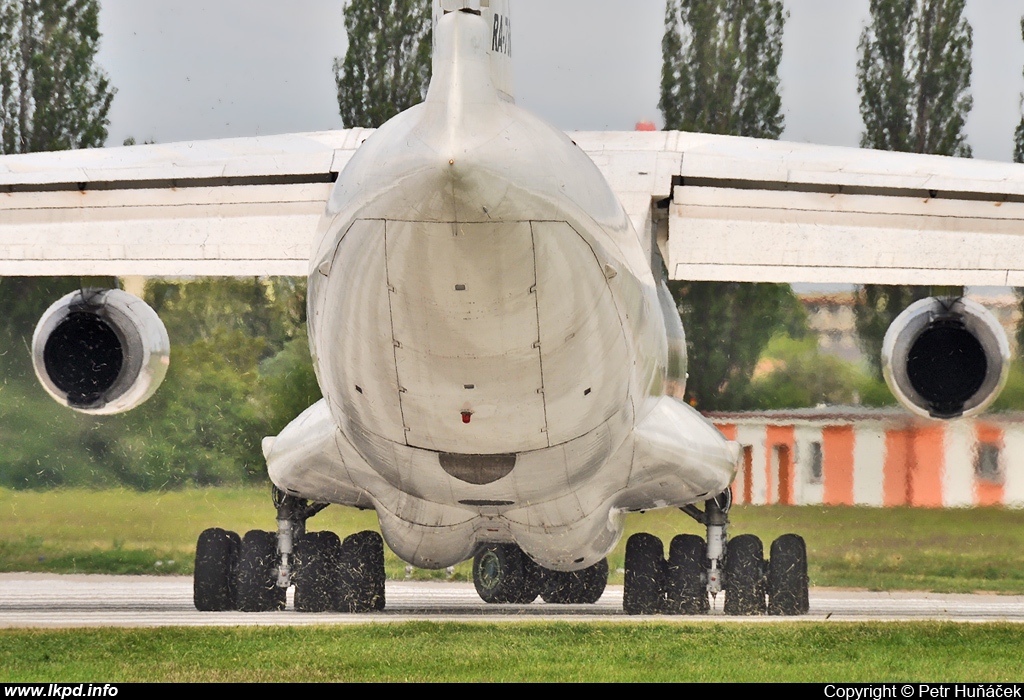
(226, 207)
(752, 210)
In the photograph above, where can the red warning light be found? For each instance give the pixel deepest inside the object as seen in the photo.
(466, 416)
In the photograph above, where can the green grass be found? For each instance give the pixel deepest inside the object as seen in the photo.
(120, 531)
(130, 532)
(429, 651)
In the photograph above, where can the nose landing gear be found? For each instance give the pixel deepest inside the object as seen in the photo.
(504, 573)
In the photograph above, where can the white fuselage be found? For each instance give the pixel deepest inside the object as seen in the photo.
(489, 338)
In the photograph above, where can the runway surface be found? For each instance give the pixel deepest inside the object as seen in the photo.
(47, 600)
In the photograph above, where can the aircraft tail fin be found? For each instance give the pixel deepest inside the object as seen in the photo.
(496, 15)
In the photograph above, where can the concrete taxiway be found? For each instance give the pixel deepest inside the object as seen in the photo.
(47, 600)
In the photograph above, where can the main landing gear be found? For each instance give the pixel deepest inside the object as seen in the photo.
(253, 573)
(503, 573)
(680, 584)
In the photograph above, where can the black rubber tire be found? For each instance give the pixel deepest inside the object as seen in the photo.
(503, 573)
(257, 589)
(744, 576)
(644, 589)
(686, 590)
(213, 583)
(583, 587)
(317, 571)
(787, 577)
(532, 580)
(361, 574)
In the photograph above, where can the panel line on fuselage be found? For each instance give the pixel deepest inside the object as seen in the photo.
(540, 349)
(394, 339)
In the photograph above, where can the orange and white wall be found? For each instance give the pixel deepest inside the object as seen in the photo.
(876, 458)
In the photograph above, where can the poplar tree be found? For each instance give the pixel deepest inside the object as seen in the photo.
(720, 76)
(913, 78)
(52, 95)
(720, 64)
(386, 68)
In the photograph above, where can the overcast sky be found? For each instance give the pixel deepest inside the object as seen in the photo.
(194, 69)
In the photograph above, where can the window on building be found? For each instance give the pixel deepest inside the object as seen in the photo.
(815, 471)
(987, 463)
(748, 474)
(784, 475)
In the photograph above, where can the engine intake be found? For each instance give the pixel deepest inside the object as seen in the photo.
(945, 358)
(100, 351)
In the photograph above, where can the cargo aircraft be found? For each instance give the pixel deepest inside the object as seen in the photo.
(500, 359)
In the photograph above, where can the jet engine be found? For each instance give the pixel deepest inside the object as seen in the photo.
(100, 351)
(945, 358)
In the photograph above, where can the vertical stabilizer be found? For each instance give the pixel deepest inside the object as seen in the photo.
(496, 15)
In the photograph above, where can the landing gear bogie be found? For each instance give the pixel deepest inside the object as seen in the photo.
(696, 569)
(253, 574)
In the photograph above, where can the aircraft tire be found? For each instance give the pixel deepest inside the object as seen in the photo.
(644, 589)
(317, 571)
(533, 578)
(787, 577)
(685, 589)
(213, 583)
(361, 575)
(744, 576)
(257, 573)
(583, 587)
(503, 573)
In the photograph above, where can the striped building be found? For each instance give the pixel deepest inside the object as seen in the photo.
(876, 457)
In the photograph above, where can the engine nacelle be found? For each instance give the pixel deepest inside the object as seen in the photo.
(100, 351)
(945, 358)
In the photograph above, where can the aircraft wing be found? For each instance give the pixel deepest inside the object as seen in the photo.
(720, 207)
(246, 206)
(753, 210)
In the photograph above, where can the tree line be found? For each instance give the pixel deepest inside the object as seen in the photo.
(241, 367)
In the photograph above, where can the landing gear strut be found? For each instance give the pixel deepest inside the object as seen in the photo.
(253, 573)
(696, 568)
